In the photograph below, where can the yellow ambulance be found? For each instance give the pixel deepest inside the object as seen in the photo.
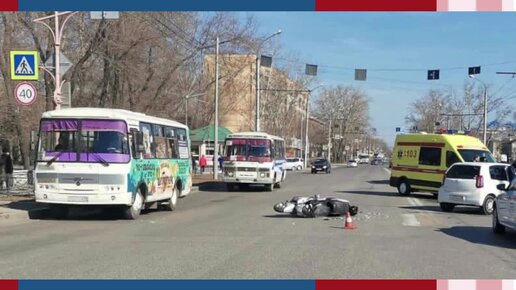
(420, 160)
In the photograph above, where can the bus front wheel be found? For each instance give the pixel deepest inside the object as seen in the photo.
(133, 212)
(171, 204)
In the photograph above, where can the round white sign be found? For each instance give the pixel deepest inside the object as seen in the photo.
(25, 93)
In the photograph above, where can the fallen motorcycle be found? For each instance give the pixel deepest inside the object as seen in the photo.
(316, 206)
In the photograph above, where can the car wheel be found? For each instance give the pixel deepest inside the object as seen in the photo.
(133, 212)
(299, 167)
(498, 228)
(487, 207)
(404, 187)
(446, 207)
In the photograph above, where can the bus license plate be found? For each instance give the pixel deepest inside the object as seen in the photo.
(78, 198)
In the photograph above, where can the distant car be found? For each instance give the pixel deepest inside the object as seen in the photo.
(352, 163)
(294, 164)
(474, 184)
(376, 162)
(321, 165)
(504, 215)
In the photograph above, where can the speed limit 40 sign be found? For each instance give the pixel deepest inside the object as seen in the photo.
(25, 93)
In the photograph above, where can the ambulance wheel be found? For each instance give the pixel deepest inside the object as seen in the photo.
(404, 187)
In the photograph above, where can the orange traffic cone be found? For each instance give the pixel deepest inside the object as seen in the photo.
(348, 224)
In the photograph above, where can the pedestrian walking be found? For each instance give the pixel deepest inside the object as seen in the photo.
(203, 162)
(194, 165)
(221, 162)
(7, 168)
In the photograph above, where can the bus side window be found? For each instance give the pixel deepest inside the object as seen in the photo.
(170, 134)
(172, 147)
(148, 139)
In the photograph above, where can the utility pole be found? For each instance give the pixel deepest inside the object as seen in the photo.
(484, 136)
(329, 141)
(306, 129)
(216, 135)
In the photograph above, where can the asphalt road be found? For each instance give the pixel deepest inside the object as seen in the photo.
(230, 235)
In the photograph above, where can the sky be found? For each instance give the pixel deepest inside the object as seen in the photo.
(397, 49)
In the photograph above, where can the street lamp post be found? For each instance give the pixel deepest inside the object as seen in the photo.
(57, 34)
(484, 136)
(306, 124)
(258, 64)
(186, 105)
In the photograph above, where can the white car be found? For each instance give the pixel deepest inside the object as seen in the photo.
(504, 215)
(293, 164)
(473, 184)
(352, 163)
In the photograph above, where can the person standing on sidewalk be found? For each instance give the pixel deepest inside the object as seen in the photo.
(203, 162)
(8, 168)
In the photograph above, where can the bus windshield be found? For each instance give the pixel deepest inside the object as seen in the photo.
(474, 155)
(71, 140)
(248, 150)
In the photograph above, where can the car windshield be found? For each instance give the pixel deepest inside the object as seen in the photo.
(320, 161)
(291, 160)
(352, 161)
(71, 140)
(245, 149)
(473, 155)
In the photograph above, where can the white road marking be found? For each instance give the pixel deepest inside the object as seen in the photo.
(410, 220)
(415, 201)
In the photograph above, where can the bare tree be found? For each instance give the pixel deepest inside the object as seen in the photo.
(348, 110)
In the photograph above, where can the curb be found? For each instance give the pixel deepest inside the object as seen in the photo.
(14, 215)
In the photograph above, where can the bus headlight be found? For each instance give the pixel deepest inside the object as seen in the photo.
(262, 175)
(230, 173)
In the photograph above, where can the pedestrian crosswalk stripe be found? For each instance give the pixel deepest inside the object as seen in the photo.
(24, 67)
(410, 220)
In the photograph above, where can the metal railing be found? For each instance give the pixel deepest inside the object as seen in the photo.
(21, 182)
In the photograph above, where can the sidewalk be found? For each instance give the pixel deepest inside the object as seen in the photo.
(18, 208)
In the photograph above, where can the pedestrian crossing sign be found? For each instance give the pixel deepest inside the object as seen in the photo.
(24, 65)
